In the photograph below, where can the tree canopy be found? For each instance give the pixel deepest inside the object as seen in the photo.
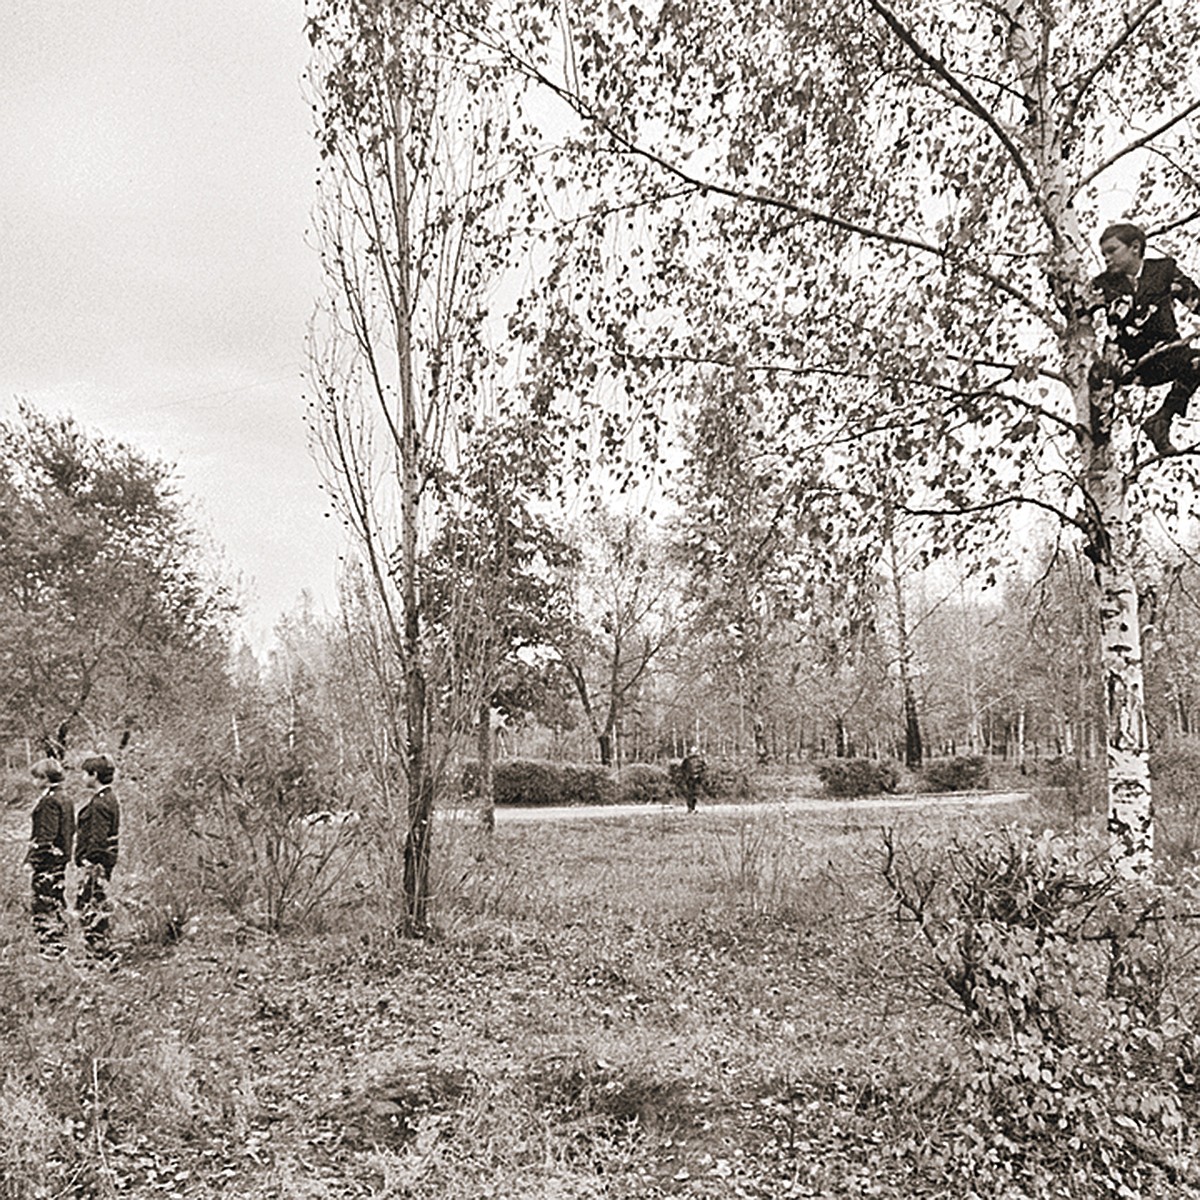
(108, 609)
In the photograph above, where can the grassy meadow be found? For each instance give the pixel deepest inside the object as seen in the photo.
(715, 1005)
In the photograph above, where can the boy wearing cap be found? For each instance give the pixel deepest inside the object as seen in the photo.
(96, 850)
(49, 853)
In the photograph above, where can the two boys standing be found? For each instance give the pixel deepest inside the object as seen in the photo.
(92, 834)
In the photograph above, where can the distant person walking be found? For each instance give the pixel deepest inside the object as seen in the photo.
(691, 772)
(49, 854)
(96, 851)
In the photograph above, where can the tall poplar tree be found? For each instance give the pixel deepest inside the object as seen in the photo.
(413, 234)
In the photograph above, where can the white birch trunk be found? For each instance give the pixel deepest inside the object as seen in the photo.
(1130, 811)
(1130, 814)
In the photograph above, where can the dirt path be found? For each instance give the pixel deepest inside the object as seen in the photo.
(602, 812)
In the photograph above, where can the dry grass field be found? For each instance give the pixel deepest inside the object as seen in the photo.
(717, 1005)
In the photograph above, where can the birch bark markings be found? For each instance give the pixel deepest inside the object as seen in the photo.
(1102, 469)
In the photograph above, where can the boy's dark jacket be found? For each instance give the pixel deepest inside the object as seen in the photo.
(96, 835)
(1144, 316)
(53, 829)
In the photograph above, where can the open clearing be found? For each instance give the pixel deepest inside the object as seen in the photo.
(713, 1005)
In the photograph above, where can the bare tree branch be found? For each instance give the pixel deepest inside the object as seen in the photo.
(1138, 144)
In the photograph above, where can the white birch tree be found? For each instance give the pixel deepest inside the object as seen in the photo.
(831, 197)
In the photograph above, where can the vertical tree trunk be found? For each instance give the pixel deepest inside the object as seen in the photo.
(913, 750)
(485, 790)
(1130, 821)
(1130, 815)
(420, 781)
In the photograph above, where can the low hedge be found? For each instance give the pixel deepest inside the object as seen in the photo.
(858, 776)
(964, 773)
(526, 781)
(644, 783)
(720, 781)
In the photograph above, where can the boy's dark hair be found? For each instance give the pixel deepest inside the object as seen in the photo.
(1123, 231)
(101, 766)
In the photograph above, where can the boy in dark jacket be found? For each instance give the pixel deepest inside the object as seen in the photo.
(96, 850)
(49, 853)
(1139, 300)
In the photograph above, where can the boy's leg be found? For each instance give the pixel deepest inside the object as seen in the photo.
(48, 907)
(93, 909)
(1180, 368)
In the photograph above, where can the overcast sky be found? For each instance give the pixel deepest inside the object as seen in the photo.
(156, 282)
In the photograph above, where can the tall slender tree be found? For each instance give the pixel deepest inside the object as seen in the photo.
(413, 234)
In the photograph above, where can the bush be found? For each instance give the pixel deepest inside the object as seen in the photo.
(964, 773)
(1076, 989)
(524, 781)
(724, 781)
(643, 783)
(858, 776)
(720, 781)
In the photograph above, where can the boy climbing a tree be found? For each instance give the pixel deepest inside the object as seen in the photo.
(1138, 298)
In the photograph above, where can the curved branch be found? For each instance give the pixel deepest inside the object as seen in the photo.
(973, 105)
(992, 505)
(1173, 225)
(1138, 144)
(581, 108)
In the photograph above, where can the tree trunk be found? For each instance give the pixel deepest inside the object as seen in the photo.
(1130, 822)
(420, 781)
(485, 791)
(1130, 815)
(913, 750)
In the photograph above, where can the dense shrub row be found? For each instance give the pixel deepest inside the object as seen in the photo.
(858, 776)
(963, 773)
(525, 781)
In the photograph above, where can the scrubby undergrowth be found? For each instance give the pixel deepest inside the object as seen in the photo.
(716, 1005)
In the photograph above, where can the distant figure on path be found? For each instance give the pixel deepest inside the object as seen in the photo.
(96, 851)
(1139, 295)
(691, 771)
(49, 854)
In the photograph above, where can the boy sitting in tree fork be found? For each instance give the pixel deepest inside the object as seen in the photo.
(1138, 299)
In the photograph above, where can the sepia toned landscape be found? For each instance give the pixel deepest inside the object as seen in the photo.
(600, 601)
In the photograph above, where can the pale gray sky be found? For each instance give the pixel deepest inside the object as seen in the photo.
(155, 280)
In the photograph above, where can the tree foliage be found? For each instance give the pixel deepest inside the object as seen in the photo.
(108, 609)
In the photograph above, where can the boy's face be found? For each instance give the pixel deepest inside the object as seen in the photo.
(1120, 257)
